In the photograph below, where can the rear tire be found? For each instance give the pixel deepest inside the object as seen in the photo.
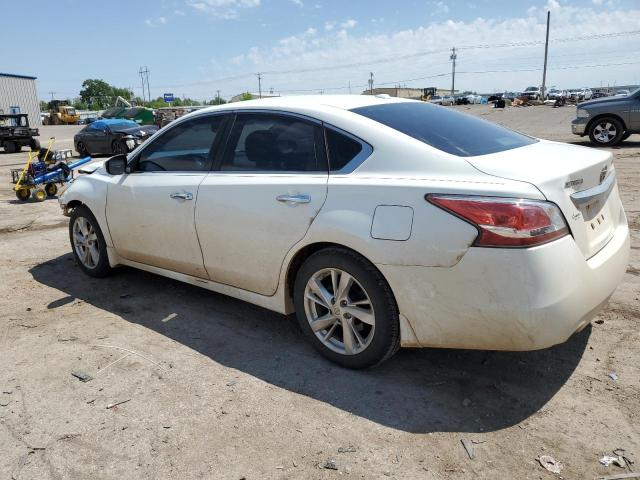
(366, 307)
(11, 147)
(23, 194)
(87, 243)
(39, 195)
(51, 189)
(606, 132)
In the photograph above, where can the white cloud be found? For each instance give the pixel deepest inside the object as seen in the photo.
(297, 2)
(429, 46)
(441, 8)
(222, 8)
(179, 13)
(155, 22)
(349, 23)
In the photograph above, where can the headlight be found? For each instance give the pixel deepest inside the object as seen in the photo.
(131, 144)
(583, 113)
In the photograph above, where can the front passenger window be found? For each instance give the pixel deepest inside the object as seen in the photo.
(184, 148)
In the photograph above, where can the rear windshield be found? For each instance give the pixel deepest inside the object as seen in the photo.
(445, 129)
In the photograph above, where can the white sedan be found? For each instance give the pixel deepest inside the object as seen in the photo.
(381, 222)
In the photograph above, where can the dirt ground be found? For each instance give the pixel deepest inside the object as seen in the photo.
(216, 388)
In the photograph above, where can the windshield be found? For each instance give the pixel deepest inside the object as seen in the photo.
(447, 130)
(124, 124)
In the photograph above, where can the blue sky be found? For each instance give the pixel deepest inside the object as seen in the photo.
(195, 47)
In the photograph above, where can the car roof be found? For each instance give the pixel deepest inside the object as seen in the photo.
(344, 102)
(111, 121)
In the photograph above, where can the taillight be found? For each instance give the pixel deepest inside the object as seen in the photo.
(506, 222)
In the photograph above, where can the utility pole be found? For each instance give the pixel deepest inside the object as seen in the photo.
(218, 97)
(52, 94)
(453, 69)
(259, 85)
(546, 52)
(142, 73)
(349, 87)
(146, 71)
(370, 83)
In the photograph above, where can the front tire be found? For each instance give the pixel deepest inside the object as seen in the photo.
(346, 309)
(87, 243)
(81, 148)
(606, 132)
(118, 147)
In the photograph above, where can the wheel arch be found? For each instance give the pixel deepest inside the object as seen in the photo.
(603, 115)
(305, 252)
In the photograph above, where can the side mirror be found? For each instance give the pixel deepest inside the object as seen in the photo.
(116, 165)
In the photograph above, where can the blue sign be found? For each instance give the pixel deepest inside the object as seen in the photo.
(168, 97)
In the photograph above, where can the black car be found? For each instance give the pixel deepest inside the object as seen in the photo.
(111, 136)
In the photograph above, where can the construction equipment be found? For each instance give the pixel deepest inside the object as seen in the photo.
(61, 113)
(428, 93)
(15, 133)
(41, 173)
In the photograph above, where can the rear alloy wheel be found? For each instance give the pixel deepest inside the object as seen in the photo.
(87, 242)
(347, 310)
(606, 132)
(118, 147)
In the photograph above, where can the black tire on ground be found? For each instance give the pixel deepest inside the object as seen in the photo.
(625, 136)
(11, 147)
(39, 195)
(102, 269)
(23, 194)
(386, 337)
(51, 189)
(118, 146)
(606, 132)
(34, 143)
(81, 148)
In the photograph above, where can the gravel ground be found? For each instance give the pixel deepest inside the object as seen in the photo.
(216, 388)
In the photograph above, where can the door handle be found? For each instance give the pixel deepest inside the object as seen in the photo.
(182, 196)
(294, 198)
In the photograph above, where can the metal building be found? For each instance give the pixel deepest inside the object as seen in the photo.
(18, 95)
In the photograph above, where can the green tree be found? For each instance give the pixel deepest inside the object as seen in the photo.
(217, 101)
(98, 94)
(246, 96)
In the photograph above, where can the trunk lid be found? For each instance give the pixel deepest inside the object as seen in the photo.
(580, 180)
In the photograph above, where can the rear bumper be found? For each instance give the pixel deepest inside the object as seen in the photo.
(579, 126)
(501, 299)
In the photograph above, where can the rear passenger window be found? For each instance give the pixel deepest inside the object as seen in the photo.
(342, 149)
(274, 143)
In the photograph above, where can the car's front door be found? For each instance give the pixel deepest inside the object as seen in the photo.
(150, 211)
(261, 198)
(91, 137)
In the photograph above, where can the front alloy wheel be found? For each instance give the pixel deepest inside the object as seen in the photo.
(87, 243)
(606, 131)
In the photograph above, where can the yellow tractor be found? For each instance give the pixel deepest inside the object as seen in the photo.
(61, 113)
(427, 93)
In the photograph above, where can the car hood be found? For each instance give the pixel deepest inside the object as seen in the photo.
(146, 130)
(599, 101)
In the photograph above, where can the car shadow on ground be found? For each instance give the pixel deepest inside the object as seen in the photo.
(629, 143)
(418, 390)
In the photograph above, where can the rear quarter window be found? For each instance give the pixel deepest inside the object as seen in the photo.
(445, 129)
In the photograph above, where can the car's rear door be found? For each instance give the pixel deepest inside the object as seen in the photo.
(150, 212)
(261, 199)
